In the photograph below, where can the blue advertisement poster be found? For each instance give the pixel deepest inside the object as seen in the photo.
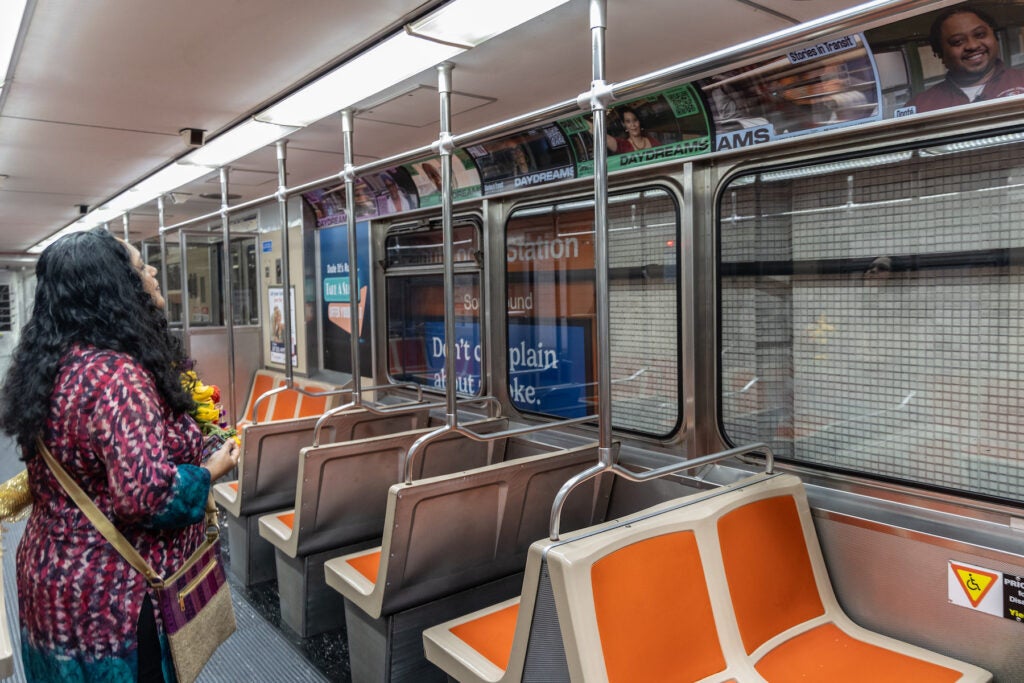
(468, 355)
(335, 312)
(548, 367)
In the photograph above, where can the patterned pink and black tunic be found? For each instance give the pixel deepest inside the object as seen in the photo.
(79, 600)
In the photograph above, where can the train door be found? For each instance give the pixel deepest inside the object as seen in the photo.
(194, 291)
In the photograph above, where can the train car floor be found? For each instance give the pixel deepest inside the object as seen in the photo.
(262, 649)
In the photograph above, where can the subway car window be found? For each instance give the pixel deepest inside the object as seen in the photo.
(551, 323)
(871, 314)
(415, 309)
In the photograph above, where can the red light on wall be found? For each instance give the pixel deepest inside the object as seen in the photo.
(670, 243)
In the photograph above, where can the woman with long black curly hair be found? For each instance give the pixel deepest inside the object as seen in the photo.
(97, 373)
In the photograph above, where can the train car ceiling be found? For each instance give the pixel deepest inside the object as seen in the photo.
(97, 93)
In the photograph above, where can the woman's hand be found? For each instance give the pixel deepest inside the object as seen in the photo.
(223, 460)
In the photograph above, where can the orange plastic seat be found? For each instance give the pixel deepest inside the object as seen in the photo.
(285, 404)
(640, 592)
(262, 382)
(367, 564)
(762, 539)
(491, 634)
(311, 405)
(828, 655)
(720, 587)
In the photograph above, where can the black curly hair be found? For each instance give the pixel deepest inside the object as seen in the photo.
(89, 292)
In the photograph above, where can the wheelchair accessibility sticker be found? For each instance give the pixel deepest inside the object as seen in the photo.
(986, 590)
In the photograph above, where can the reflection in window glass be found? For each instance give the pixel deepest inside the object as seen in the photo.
(425, 248)
(415, 308)
(416, 338)
(871, 315)
(244, 281)
(551, 343)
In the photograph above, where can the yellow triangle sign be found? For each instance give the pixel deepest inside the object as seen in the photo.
(975, 582)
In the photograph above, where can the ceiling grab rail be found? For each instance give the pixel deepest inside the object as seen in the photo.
(619, 470)
(349, 175)
(780, 42)
(445, 149)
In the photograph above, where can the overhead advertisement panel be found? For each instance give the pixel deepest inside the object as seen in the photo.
(532, 157)
(376, 194)
(813, 88)
(671, 124)
(426, 175)
(954, 56)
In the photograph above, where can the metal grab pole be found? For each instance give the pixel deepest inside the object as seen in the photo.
(163, 256)
(282, 203)
(445, 147)
(353, 253)
(186, 314)
(598, 26)
(229, 310)
(124, 223)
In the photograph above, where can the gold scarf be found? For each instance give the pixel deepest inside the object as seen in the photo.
(15, 498)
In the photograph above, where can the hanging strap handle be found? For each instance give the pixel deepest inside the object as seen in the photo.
(98, 519)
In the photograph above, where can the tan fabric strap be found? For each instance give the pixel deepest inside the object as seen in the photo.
(106, 527)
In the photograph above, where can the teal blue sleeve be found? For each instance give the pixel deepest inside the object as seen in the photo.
(187, 503)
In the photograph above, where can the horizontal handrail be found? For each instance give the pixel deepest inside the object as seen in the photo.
(614, 468)
(284, 387)
(410, 455)
(360, 404)
(401, 407)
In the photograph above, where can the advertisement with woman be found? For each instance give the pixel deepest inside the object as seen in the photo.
(426, 176)
(671, 124)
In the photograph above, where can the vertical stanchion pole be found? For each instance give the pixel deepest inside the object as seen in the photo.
(353, 253)
(124, 224)
(445, 147)
(282, 204)
(229, 309)
(186, 314)
(161, 220)
(598, 26)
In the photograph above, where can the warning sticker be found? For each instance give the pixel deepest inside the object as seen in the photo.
(986, 590)
(975, 582)
(1013, 597)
